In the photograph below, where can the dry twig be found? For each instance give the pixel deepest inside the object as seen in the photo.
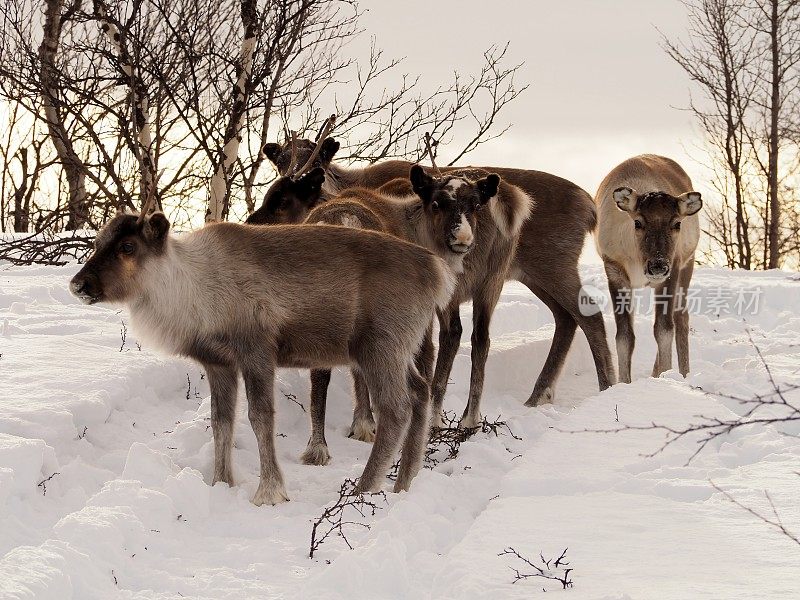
(553, 569)
(334, 520)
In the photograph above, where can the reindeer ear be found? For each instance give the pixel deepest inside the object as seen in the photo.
(488, 186)
(422, 183)
(272, 152)
(329, 149)
(689, 203)
(308, 188)
(156, 227)
(626, 198)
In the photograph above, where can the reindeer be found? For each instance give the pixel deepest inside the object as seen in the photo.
(545, 261)
(444, 214)
(648, 238)
(244, 299)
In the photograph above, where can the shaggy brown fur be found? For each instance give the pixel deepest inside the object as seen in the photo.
(447, 216)
(243, 299)
(546, 259)
(647, 234)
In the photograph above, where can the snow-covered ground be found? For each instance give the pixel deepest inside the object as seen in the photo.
(106, 456)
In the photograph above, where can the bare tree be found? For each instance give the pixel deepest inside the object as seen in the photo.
(140, 104)
(743, 55)
(777, 23)
(232, 137)
(23, 159)
(53, 112)
(178, 97)
(391, 125)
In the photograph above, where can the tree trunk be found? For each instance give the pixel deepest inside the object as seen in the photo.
(78, 210)
(140, 102)
(20, 214)
(774, 134)
(742, 234)
(219, 198)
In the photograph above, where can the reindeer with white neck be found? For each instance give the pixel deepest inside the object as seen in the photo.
(245, 300)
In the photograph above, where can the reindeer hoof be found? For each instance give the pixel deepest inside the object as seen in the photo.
(362, 430)
(401, 487)
(226, 477)
(373, 488)
(470, 421)
(546, 397)
(316, 454)
(438, 421)
(270, 494)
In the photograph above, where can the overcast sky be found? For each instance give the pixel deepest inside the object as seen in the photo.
(602, 89)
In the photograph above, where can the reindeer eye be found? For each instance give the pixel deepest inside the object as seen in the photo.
(478, 206)
(127, 247)
(638, 224)
(677, 226)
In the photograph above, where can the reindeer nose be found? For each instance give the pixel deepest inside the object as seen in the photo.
(462, 233)
(77, 285)
(83, 286)
(657, 267)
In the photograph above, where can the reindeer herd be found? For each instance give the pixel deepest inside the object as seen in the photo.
(344, 266)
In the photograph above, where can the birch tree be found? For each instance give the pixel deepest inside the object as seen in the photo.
(177, 98)
(53, 114)
(220, 187)
(140, 117)
(744, 57)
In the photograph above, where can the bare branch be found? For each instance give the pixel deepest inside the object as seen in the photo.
(542, 570)
(334, 520)
(775, 521)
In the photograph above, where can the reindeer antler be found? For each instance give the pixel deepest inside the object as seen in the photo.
(293, 161)
(429, 143)
(150, 200)
(326, 131)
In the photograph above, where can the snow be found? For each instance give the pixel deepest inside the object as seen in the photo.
(106, 458)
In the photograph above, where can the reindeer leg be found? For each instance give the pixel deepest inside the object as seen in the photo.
(664, 326)
(363, 426)
(449, 341)
(316, 452)
(388, 386)
(417, 434)
(223, 382)
(544, 390)
(622, 301)
(259, 381)
(426, 355)
(681, 317)
(483, 304)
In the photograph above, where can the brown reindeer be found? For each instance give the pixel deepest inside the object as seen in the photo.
(648, 238)
(244, 299)
(445, 215)
(545, 261)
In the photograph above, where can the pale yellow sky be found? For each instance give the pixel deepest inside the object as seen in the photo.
(602, 89)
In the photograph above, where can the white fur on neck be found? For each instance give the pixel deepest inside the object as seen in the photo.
(185, 294)
(171, 307)
(510, 208)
